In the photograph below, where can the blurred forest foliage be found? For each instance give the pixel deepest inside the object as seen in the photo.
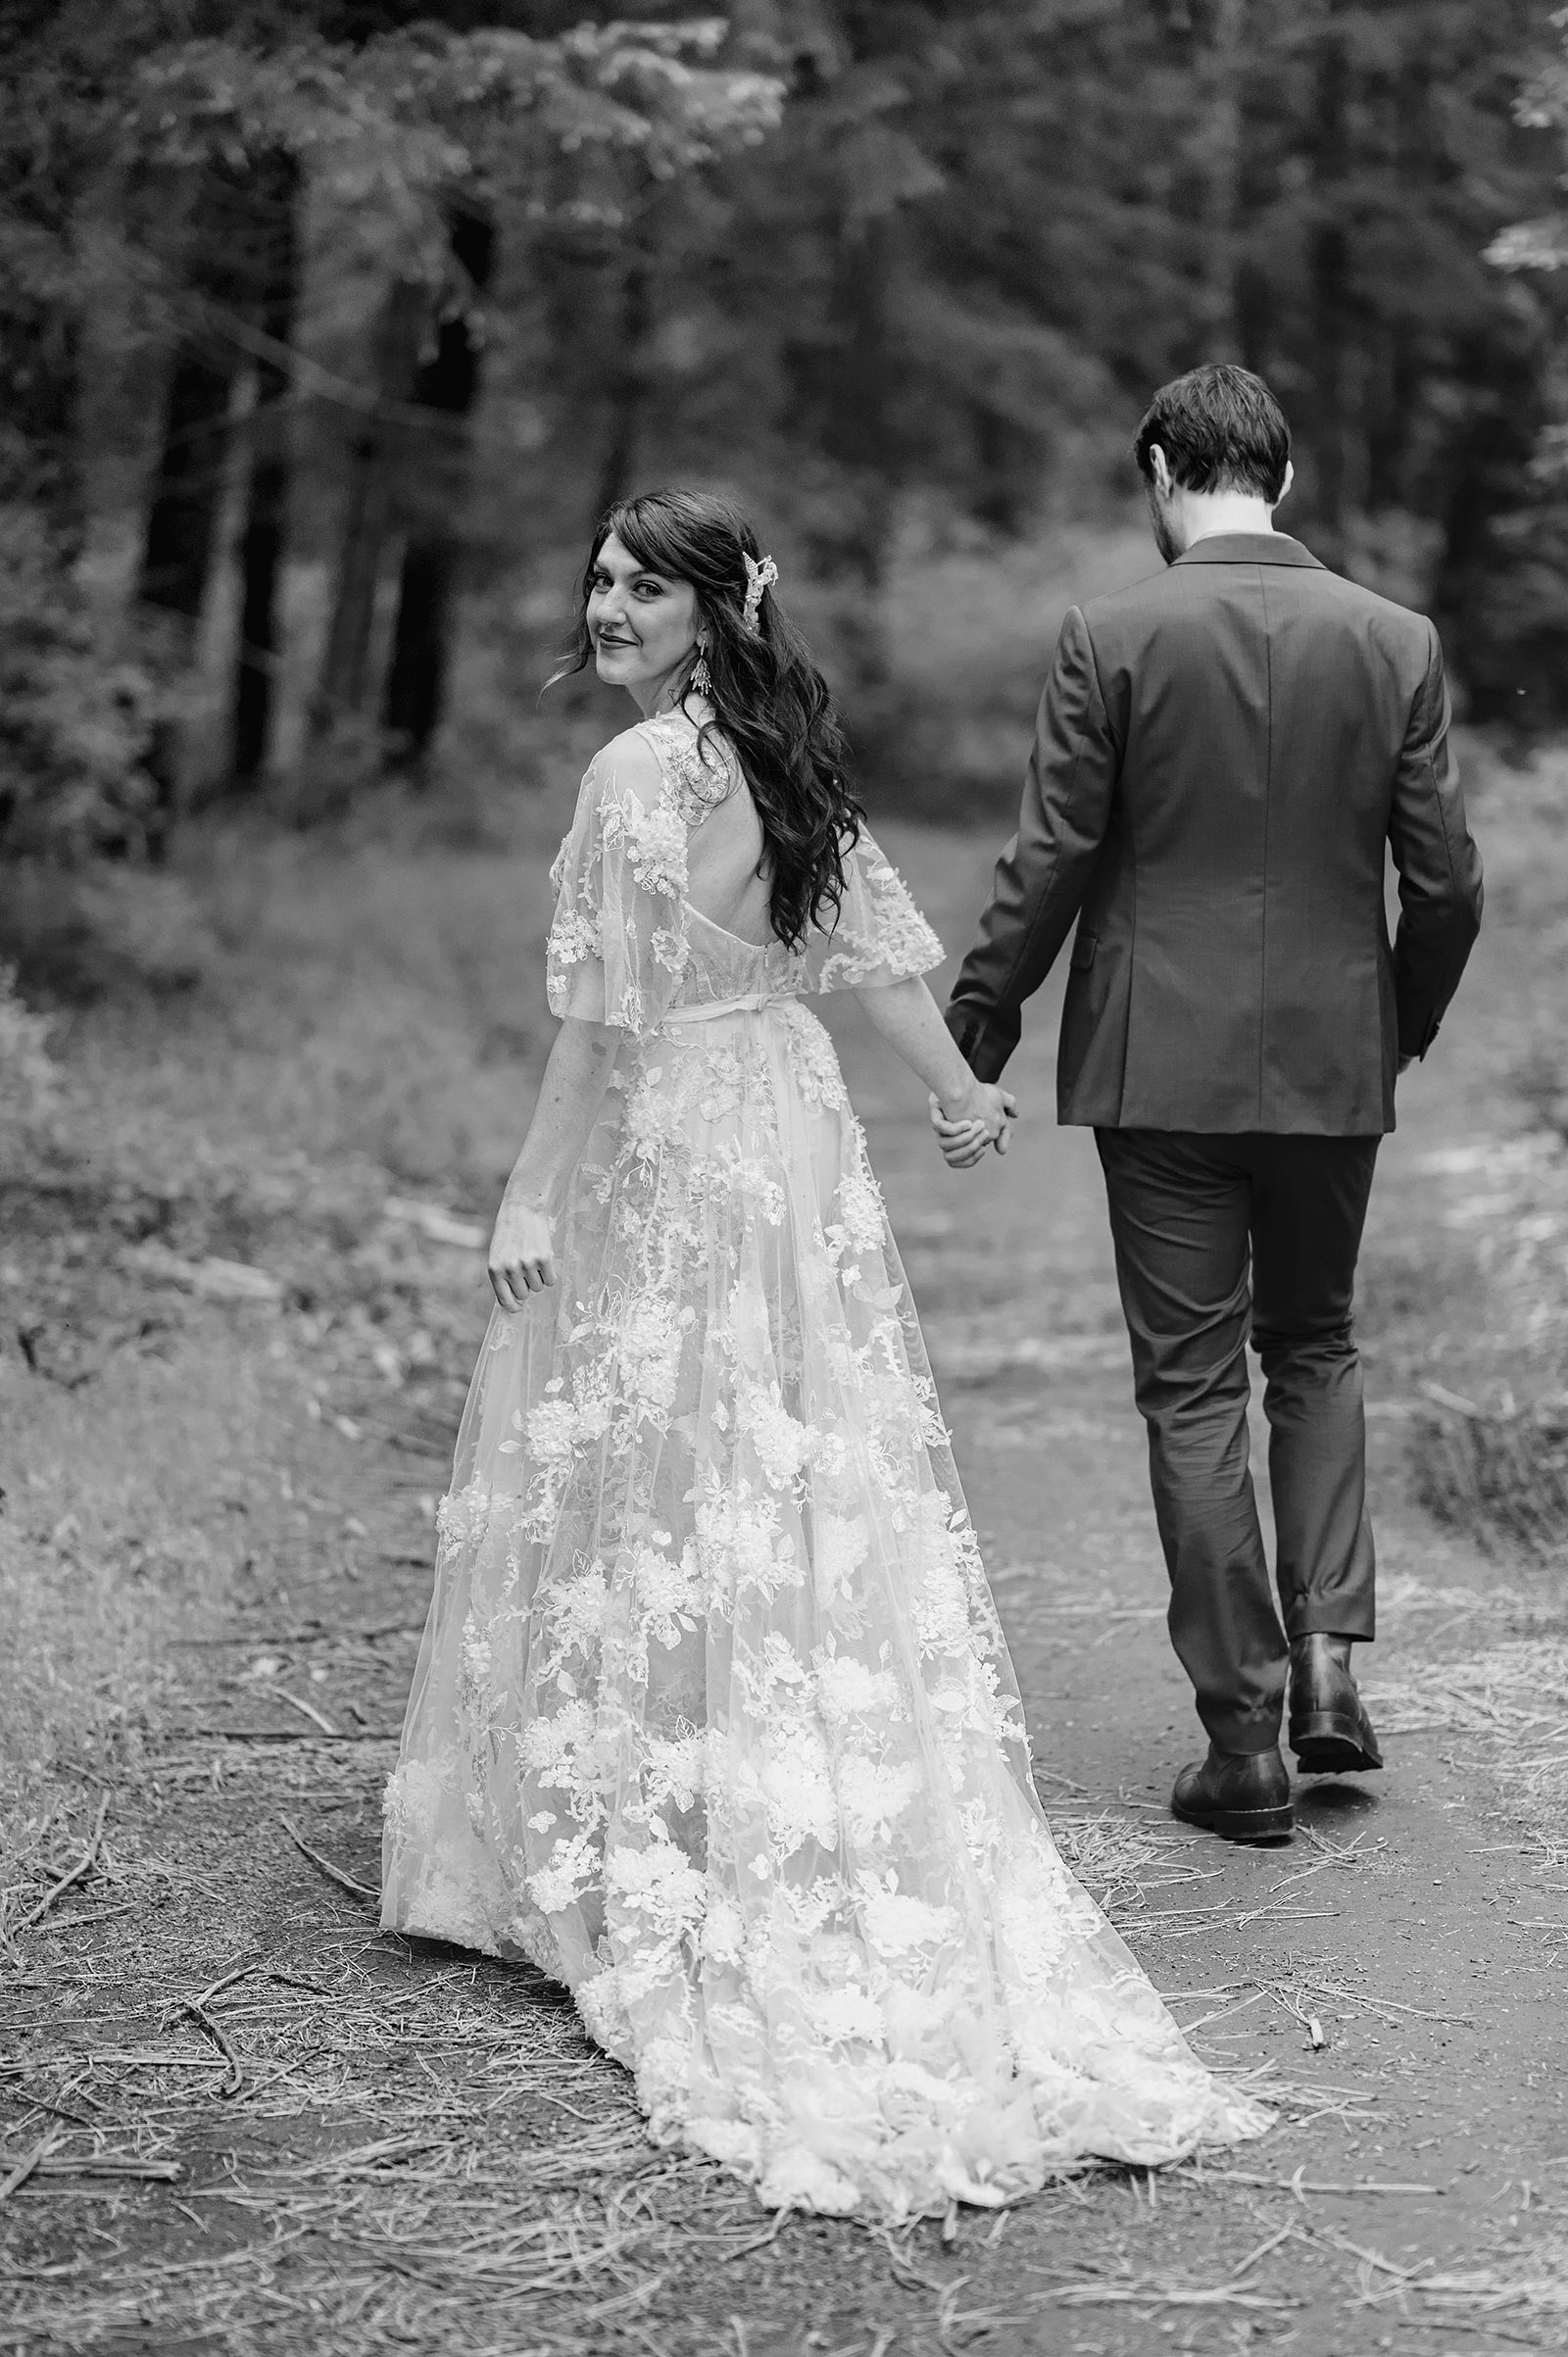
(325, 334)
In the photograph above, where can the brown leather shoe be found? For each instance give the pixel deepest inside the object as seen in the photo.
(1241, 1796)
(1330, 1731)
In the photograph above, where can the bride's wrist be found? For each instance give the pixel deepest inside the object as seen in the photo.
(517, 1198)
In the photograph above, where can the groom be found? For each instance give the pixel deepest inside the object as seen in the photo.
(1221, 754)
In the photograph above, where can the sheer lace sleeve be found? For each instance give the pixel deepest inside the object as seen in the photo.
(880, 935)
(617, 945)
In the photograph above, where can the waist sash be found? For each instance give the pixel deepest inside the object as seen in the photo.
(752, 1002)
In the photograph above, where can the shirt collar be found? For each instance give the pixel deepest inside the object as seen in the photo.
(1249, 548)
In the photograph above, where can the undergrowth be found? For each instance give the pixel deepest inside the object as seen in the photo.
(1490, 1453)
(194, 1186)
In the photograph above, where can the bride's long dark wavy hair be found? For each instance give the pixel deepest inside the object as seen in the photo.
(768, 697)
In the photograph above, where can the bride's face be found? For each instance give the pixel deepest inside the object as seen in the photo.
(642, 624)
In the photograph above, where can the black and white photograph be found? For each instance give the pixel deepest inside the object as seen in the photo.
(783, 1178)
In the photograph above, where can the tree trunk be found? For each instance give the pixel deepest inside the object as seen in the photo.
(182, 520)
(448, 385)
(188, 488)
(856, 433)
(416, 682)
(1331, 293)
(178, 556)
(629, 388)
(266, 508)
(416, 687)
(1222, 148)
(366, 513)
(40, 454)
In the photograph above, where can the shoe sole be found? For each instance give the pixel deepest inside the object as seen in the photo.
(1329, 1745)
(1242, 1824)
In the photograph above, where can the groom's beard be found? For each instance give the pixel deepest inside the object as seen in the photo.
(1165, 540)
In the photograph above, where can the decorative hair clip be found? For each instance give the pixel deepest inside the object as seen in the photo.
(758, 578)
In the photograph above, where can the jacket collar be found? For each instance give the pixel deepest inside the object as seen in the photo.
(1249, 548)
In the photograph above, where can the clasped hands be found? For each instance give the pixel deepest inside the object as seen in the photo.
(971, 1122)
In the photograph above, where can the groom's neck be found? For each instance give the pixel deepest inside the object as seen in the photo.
(1202, 515)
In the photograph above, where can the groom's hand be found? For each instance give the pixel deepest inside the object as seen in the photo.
(963, 1136)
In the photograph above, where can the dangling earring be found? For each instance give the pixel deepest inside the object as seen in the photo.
(701, 682)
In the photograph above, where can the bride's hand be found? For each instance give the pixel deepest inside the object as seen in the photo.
(981, 1121)
(522, 1254)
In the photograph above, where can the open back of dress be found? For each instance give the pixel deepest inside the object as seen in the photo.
(727, 881)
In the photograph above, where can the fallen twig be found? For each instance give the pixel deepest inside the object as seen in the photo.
(297, 1702)
(1245, 2266)
(1389, 2007)
(1455, 1402)
(112, 2164)
(308, 1633)
(1222, 2013)
(81, 1923)
(1375, 2258)
(234, 2078)
(154, 2060)
(1309, 2020)
(240, 1972)
(281, 1735)
(28, 2162)
(1299, 2184)
(22, 2093)
(333, 1874)
(1162, 2295)
(78, 1872)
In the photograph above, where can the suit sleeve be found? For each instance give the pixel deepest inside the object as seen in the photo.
(1045, 871)
(1438, 867)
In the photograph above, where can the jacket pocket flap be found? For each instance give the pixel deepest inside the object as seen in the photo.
(1083, 946)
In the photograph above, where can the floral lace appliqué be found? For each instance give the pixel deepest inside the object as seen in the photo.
(713, 1720)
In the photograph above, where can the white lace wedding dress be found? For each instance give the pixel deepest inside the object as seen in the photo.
(714, 1719)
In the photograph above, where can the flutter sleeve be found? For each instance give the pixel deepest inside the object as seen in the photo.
(617, 943)
(879, 937)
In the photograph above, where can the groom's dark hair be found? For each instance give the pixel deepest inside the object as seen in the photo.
(1221, 429)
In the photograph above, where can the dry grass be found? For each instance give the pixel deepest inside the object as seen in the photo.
(289, 2131)
(1124, 1859)
(453, 2154)
(1490, 1457)
(367, 1021)
(107, 1543)
(1527, 2283)
(1500, 1472)
(1509, 1704)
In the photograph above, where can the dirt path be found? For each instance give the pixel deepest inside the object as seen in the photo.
(1414, 1920)
(380, 2147)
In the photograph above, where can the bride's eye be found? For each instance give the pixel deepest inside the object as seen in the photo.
(650, 589)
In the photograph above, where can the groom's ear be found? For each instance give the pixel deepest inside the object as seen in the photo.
(1160, 470)
(1284, 488)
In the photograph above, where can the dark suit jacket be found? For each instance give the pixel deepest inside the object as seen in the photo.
(1221, 752)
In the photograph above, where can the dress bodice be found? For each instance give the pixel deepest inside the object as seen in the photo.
(720, 967)
(627, 947)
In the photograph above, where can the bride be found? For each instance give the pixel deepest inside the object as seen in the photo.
(714, 1719)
